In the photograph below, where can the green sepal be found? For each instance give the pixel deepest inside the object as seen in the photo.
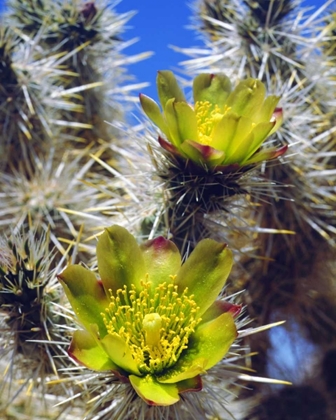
(86, 295)
(120, 260)
(205, 272)
(202, 153)
(162, 260)
(190, 385)
(211, 341)
(153, 112)
(247, 98)
(266, 154)
(214, 88)
(119, 352)
(168, 87)
(86, 351)
(154, 393)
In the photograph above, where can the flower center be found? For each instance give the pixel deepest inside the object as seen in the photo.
(155, 323)
(207, 117)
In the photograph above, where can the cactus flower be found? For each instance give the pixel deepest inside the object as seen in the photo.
(225, 126)
(149, 319)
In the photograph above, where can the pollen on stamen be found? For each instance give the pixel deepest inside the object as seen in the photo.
(207, 117)
(154, 322)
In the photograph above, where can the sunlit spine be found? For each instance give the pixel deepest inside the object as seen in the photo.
(34, 327)
(88, 37)
(282, 43)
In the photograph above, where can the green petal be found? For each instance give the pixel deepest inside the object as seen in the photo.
(267, 109)
(86, 295)
(225, 132)
(183, 370)
(120, 260)
(85, 350)
(154, 393)
(119, 352)
(162, 259)
(247, 98)
(206, 347)
(172, 123)
(277, 117)
(186, 120)
(218, 308)
(260, 134)
(211, 341)
(205, 272)
(214, 88)
(153, 112)
(168, 87)
(239, 144)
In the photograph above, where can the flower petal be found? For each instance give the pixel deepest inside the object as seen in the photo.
(162, 259)
(214, 88)
(86, 295)
(260, 133)
(205, 272)
(172, 123)
(225, 131)
(186, 120)
(86, 351)
(267, 109)
(211, 341)
(277, 117)
(154, 393)
(218, 308)
(168, 87)
(241, 140)
(119, 352)
(247, 98)
(120, 260)
(153, 112)
(183, 370)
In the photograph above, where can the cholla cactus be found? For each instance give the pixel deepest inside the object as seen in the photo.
(276, 42)
(87, 35)
(225, 127)
(26, 106)
(34, 332)
(209, 151)
(152, 327)
(52, 196)
(152, 322)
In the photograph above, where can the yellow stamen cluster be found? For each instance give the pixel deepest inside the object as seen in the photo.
(207, 117)
(155, 323)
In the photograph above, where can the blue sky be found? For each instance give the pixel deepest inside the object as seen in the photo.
(159, 24)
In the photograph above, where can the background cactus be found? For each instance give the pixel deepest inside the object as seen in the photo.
(63, 73)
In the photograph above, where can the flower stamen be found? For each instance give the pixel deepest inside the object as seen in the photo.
(155, 323)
